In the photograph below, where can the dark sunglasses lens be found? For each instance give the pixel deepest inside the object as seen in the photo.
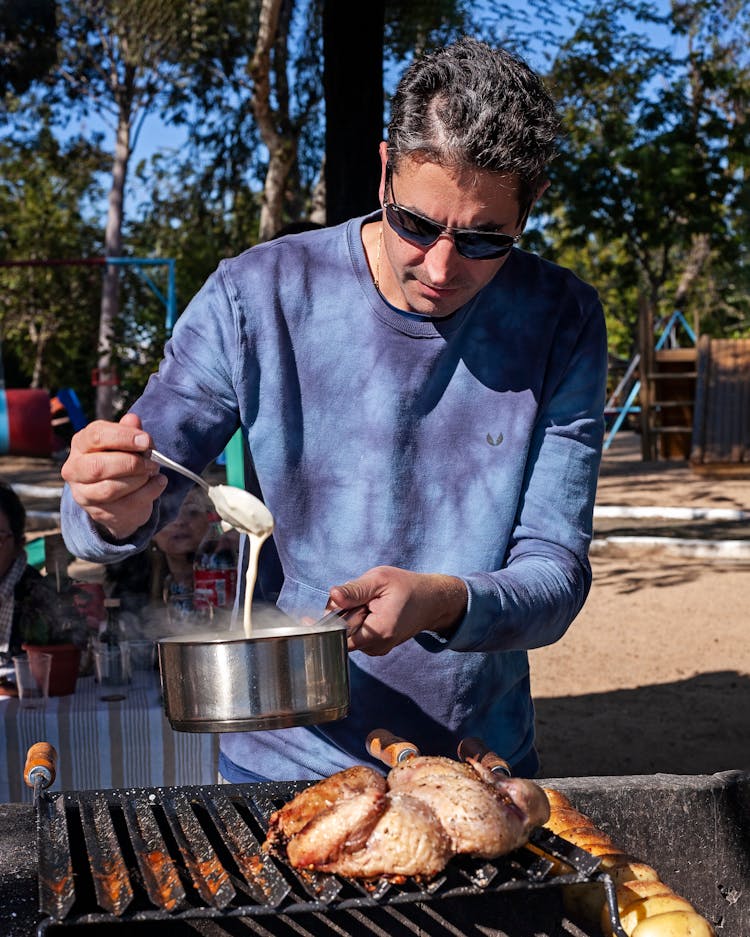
(424, 232)
(412, 227)
(482, 246)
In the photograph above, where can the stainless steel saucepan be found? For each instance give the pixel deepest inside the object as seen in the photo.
(281, 676)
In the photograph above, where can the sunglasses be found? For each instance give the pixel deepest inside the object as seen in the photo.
(471, 243)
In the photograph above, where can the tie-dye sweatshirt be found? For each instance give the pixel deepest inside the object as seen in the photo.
(468, 446)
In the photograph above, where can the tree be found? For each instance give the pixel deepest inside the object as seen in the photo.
(48, 314)
(27, 43)
(643, 192)
(117, 57)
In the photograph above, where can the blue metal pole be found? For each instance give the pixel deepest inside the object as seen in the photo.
(622, 414)
(171, 297)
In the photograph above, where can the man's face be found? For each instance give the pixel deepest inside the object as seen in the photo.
(436, 280)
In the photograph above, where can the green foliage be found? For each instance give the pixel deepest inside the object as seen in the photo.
(50, 617)
(27, 43)
(649, 198)
(48, 315)
(646, 195)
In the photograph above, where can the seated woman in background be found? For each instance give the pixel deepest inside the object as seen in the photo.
(162, 574)
(30, 607)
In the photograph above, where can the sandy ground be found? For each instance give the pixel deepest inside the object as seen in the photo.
(654, 674)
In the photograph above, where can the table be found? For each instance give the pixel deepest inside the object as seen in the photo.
(103, 745)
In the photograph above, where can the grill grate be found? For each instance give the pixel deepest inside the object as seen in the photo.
(195, 852)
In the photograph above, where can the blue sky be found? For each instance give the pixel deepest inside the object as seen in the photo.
(157, 138)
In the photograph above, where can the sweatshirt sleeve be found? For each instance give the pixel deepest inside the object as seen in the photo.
(190, 409)
(532, 600)
(85, 540)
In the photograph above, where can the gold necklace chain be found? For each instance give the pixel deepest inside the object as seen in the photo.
(376, 279)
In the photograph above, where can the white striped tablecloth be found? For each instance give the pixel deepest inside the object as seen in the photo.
(102, 745)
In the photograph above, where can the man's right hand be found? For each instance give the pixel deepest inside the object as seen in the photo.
(110, 476)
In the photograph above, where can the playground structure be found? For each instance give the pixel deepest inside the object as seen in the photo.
(721, 427)
(658, 387)
(27, 417)
(691, 400)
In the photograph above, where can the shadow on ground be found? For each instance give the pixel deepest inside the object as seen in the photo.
(617, 569)
(700, 725)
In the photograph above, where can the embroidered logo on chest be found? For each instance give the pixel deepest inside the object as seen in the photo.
(494, 440)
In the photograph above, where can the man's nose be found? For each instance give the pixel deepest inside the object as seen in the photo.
(441, 259)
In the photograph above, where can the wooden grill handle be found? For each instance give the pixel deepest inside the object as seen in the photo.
(389, 748)
(474, 749)
(41, 764)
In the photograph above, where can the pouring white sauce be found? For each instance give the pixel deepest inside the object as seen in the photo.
(247, 514)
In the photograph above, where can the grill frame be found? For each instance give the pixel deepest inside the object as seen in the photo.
(189, 837)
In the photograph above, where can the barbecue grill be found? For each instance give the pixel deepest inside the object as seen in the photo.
(191, 854)
(188, 861)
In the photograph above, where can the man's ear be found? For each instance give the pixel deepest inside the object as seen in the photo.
(383, 153)
(539, 193)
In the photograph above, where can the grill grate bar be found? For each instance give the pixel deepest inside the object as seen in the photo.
(209, 875)
(263, 879)
(56, 883)
(111, 879)
(158, 870)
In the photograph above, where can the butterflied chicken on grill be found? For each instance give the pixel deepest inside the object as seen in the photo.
(427, 810)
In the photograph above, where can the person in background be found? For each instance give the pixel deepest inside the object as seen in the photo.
(27, 598)
(423, 403)
(179, 540)
(162, 575)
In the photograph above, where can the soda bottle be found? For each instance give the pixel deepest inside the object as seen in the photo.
(111, 631)
(215, 567)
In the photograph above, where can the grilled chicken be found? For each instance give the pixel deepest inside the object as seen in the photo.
(402, 839)
(310, 803)
(482, 819)
(428, 809)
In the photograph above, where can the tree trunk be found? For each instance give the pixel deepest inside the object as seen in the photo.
(700, 249)
(110, 307)
(38, 337)
(353, 81)
(281, 151)
(318, 204)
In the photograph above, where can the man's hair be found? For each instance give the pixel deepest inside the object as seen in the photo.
(471, 106)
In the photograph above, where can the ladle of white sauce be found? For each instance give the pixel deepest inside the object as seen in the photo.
(239, 509)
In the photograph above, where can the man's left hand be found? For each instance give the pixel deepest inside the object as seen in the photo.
(395, 604)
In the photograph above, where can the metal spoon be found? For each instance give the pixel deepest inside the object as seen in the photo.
(160, 459)
(237, 507)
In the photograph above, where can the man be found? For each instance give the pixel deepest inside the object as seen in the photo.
(423, 405)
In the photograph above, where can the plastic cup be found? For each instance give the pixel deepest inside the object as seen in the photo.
(141, 653)
(112, 668)
(142, 656)
(32, 679)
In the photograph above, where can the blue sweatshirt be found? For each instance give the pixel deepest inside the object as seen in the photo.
(468, 446)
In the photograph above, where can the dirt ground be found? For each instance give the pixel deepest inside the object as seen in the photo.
(654, 674)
